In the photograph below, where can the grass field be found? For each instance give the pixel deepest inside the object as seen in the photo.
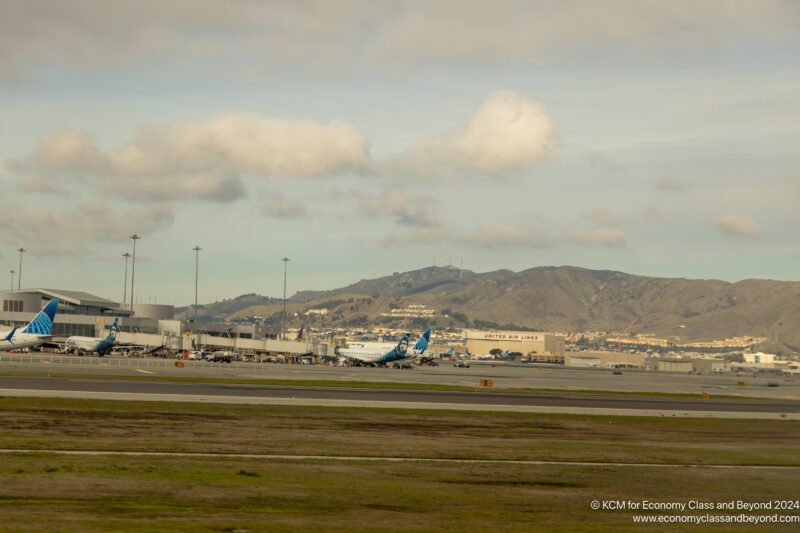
(41, 491)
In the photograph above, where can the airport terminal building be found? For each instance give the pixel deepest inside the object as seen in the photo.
(149, 325)
(79, 313)
(536, 345)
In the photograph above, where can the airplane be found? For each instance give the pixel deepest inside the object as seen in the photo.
(499, 357)
(82, 345)
(422, 344)
(361, 355)
(379, 354)
(35, 333)
(418, 352)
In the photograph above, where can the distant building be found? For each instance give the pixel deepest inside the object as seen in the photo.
(706, 365)
(539, 346)
(685, 366)
(598, 359)
(79, 313)
(84, 314)
(701, 365)
(759, 358)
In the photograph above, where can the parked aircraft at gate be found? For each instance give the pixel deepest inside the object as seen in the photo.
(101, 346)
(36, 332)
(398, 355)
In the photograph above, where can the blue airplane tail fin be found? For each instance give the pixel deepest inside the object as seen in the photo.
(42, 323)
(112, 335)
(422, 343)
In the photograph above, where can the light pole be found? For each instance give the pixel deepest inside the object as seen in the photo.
(285, 263)
(133, 265)
(196, 270)
(12, 279)
(126, 255)
(19, 272)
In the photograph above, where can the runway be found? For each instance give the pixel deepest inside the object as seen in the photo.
(504, 377)
(409, 399)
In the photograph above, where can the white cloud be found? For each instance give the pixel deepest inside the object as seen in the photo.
(519, 30)
(201, 159)
(599, 237)
(507, 135)
(262, 146)
(737, 225)
(334, 35)
(71, 231)
(409, 209)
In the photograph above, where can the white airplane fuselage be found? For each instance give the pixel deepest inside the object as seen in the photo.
(372, 356)
(377, 355)
(36, 332)
(22, 340)
(88, 345)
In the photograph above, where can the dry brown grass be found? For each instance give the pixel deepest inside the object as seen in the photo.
(45, 492)
(154, 426)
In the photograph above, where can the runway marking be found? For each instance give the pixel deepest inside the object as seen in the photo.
(143, 371)
(353, 458)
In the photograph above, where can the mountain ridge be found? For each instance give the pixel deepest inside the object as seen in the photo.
(561, 298)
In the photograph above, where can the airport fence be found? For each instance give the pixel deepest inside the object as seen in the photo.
(123, 362)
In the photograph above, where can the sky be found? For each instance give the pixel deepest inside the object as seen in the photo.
(361, 138)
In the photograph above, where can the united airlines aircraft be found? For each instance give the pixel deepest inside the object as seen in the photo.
(36, 332)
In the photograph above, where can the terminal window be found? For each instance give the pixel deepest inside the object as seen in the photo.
(13, 306)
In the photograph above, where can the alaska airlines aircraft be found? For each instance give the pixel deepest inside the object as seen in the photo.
(82, 345)
(35, 333)
(377, 356)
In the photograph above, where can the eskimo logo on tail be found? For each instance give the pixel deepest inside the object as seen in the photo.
(112, 335)
(42, 323)
(402, 346)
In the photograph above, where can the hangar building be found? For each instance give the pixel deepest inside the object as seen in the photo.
(536, 345)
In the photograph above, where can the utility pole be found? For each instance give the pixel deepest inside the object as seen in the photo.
(19, 272)
(196, 270)
(126, 255)
(135, 238)
(12, 279)
(285, 262)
